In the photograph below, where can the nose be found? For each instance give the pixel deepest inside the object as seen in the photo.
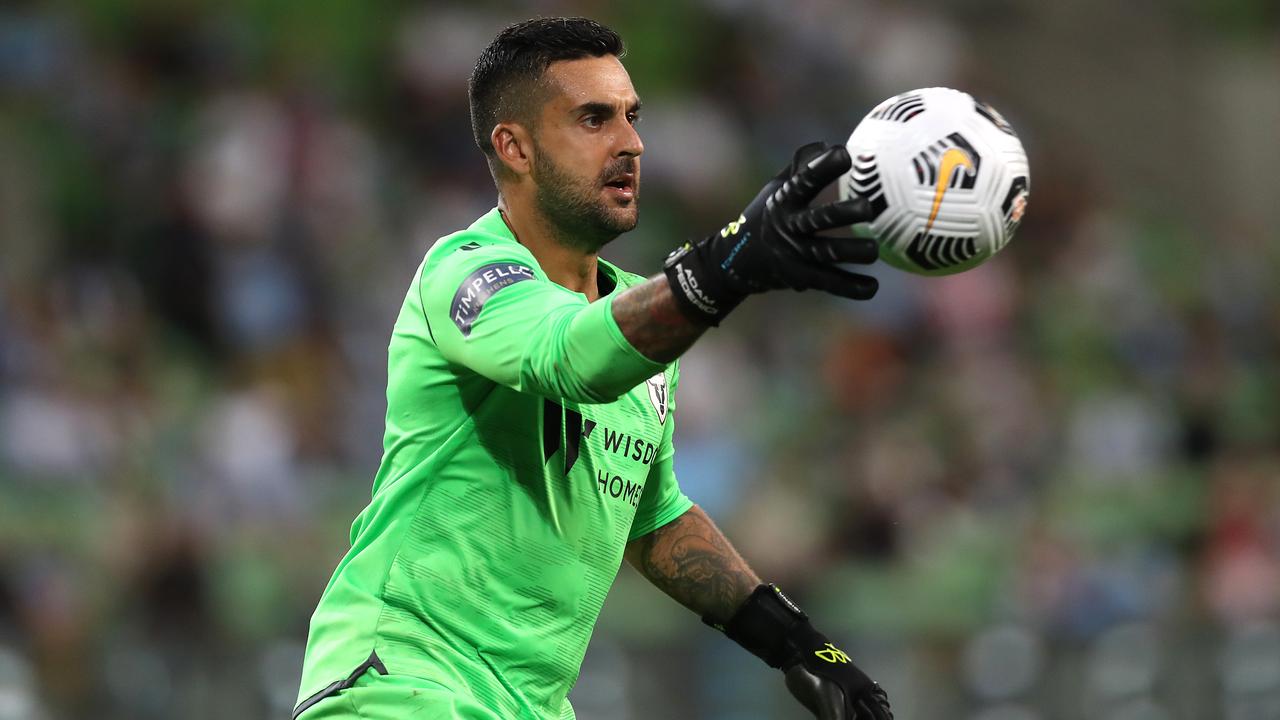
(629, 142)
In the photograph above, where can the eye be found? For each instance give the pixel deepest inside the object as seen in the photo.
(633, 118)
(593, 121)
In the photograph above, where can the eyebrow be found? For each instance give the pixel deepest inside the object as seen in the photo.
(604, 109)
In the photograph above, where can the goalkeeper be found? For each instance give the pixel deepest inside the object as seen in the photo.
(530, 400)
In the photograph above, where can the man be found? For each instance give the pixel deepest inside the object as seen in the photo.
(530, 405)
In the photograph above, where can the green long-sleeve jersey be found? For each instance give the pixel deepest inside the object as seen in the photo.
(526, 443)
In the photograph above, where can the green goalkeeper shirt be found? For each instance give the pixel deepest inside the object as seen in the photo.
(526, 443)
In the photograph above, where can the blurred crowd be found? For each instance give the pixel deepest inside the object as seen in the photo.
(1045, 488)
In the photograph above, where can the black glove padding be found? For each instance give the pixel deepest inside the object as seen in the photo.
(827, 682)
(774, 243)
(818, 674)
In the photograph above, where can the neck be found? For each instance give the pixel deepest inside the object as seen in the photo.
(569, 267)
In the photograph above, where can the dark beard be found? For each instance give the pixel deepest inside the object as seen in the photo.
(574, 207)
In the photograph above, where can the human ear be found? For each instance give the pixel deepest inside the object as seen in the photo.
(514, 147)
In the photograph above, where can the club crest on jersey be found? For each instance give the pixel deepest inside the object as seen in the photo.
(658, 394)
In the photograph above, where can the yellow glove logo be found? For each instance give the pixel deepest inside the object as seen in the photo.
(832, 654)
(732, 228)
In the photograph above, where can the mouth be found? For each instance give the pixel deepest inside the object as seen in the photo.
(622, 186)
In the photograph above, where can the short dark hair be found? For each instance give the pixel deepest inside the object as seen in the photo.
(504, 82)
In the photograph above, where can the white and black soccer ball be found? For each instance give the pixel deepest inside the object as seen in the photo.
(946, 176)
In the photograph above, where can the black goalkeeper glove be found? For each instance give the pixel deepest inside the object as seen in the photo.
(818, 674)
(774, 243)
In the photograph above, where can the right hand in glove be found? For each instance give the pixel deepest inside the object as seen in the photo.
(774, 243)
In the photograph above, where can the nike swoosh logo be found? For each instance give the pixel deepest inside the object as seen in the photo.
(951, 159)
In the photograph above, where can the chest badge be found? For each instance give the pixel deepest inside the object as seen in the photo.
(658, 394)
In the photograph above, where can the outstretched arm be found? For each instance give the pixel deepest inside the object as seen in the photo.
(772, 245)
(653, 323)
(693, 562)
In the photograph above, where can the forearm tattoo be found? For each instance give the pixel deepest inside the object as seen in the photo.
(653, 323)
(692, 561)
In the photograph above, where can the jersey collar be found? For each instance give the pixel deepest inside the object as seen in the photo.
(491, 223)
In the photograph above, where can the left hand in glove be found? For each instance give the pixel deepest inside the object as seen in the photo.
(818, 674)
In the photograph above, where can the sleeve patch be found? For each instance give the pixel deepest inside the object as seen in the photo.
(479, 287)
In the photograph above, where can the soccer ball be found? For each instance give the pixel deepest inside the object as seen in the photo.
(945, 175)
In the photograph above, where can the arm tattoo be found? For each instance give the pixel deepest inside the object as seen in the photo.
(692, 561)
(653, 323)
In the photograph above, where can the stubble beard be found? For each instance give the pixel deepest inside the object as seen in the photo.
(576, 208)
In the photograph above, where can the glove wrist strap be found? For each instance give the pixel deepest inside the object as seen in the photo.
(698, 292)
(765, 624)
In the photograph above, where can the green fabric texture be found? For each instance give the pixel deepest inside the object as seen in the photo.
(393, 697)
(526, 442)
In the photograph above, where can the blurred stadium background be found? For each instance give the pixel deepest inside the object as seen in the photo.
(1045, 489)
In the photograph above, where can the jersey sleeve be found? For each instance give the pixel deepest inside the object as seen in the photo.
(662, 501)
(491, 309)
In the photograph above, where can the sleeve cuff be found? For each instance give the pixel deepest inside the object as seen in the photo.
(615, 332)
(678, 505)
(612, 373)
